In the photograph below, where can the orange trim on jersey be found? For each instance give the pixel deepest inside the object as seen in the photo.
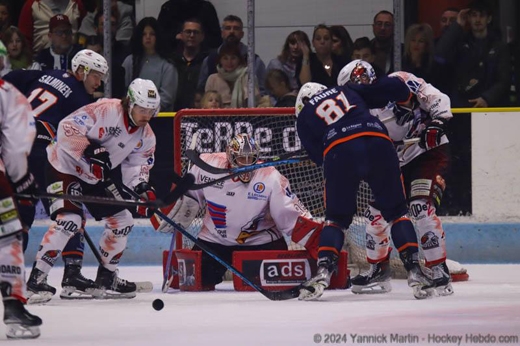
(401, 219)
(410, 95)
(328, 248)
(72, 253)
(48, 128)
(357, 135)
(407, 245)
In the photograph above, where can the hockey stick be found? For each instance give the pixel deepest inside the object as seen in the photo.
(168, 275)
(96, 200)
(141, 286)
(272, 295)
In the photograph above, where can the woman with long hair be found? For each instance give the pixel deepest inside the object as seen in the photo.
(18, 51)
(288, 58)
(149, 60)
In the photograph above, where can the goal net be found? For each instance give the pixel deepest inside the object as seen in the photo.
(274, 130)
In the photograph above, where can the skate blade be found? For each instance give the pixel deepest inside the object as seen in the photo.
(420, 292)
(39, 298)
(109, 294)
(444, 291)
(144, 286)
(373, 288)
(314, 292)
(71, 293)
(19, 331)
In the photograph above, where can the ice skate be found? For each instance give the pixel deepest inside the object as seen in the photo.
(38, 290)
(375, 280)
(313, 288)
(76, 286)
(440, 275)
(20, 324)
(113, 287)
(421, 285)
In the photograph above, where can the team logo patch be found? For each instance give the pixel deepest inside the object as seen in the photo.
(152, 94)
(429, 241)
(259, 187)
(371, 244)
(139, 144)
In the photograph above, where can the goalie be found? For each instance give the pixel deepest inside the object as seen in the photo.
(254, 211)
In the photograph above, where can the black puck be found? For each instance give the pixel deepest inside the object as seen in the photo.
(158, 304)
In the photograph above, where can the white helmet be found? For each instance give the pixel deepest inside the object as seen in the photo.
(143, 92)
(307, 91)
(242, 151)
(355, 71)
(90, 60)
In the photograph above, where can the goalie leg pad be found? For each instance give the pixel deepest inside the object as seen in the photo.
(183, 212)
(431, 233)
(307, 232)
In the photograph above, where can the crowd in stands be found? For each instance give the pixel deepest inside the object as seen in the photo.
(197, 61)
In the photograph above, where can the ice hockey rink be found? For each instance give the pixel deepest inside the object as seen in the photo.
(484, 310)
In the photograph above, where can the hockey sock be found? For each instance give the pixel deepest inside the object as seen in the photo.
(331, 240)
(114, 238)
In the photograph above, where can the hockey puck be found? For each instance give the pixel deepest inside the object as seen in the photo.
(158, 304)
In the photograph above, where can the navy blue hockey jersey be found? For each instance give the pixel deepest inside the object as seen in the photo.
(53, 94)
(341, 113)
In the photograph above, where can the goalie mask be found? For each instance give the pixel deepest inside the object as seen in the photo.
(242, 151)
(307, 91)
(143, 93)
(357, 72)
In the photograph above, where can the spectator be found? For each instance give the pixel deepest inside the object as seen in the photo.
(363, 50)
(383, 41)
(188, 62)
(197, 99)
(341, 42)
(15, 8)
(211, 100)
(5, 17)
(149, 61)
(94, 43)
(230, 81)
(61, 51)
(232, 32)
(448, 16)
(481, 61)
(123, 20)
(278, 84)
(290, 54)
(418, 57)
(19, 52)
(175, 12)
(35, 17)
(322, 66)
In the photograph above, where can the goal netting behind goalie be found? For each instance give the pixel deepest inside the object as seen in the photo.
(274, 130)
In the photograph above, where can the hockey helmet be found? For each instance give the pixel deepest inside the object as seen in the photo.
(307, 91)
(357, 72)
(90, 60)
(143, 92)
(242, 151)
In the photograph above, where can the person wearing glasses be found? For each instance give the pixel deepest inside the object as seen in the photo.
(383, 41)
(62, 49)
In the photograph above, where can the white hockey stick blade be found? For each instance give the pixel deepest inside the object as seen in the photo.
(144, 286)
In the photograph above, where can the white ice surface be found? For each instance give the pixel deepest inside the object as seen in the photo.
(487, 304)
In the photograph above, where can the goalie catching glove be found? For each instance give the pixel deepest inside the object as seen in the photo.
(147, 193)
(431, 136)
(182, 212)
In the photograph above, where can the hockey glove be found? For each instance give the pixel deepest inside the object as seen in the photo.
(431, 136)
(26, 186)
(99, 159)
(147, 193)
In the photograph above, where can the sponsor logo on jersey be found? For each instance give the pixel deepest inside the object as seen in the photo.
(371, 244)
(205, 179)
(259, 187)
(351, 127)
(284, 272)
(50, 256)
(9, 269)
(78, 120)
(139, 145)
(114, 131)
(429, 241)
(332, 133)
(122, 232)
(230, 193)
(375, 125)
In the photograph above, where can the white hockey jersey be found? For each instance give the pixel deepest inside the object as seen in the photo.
(255, 213)
(18, 130)
(432, 104)
(104, 123)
